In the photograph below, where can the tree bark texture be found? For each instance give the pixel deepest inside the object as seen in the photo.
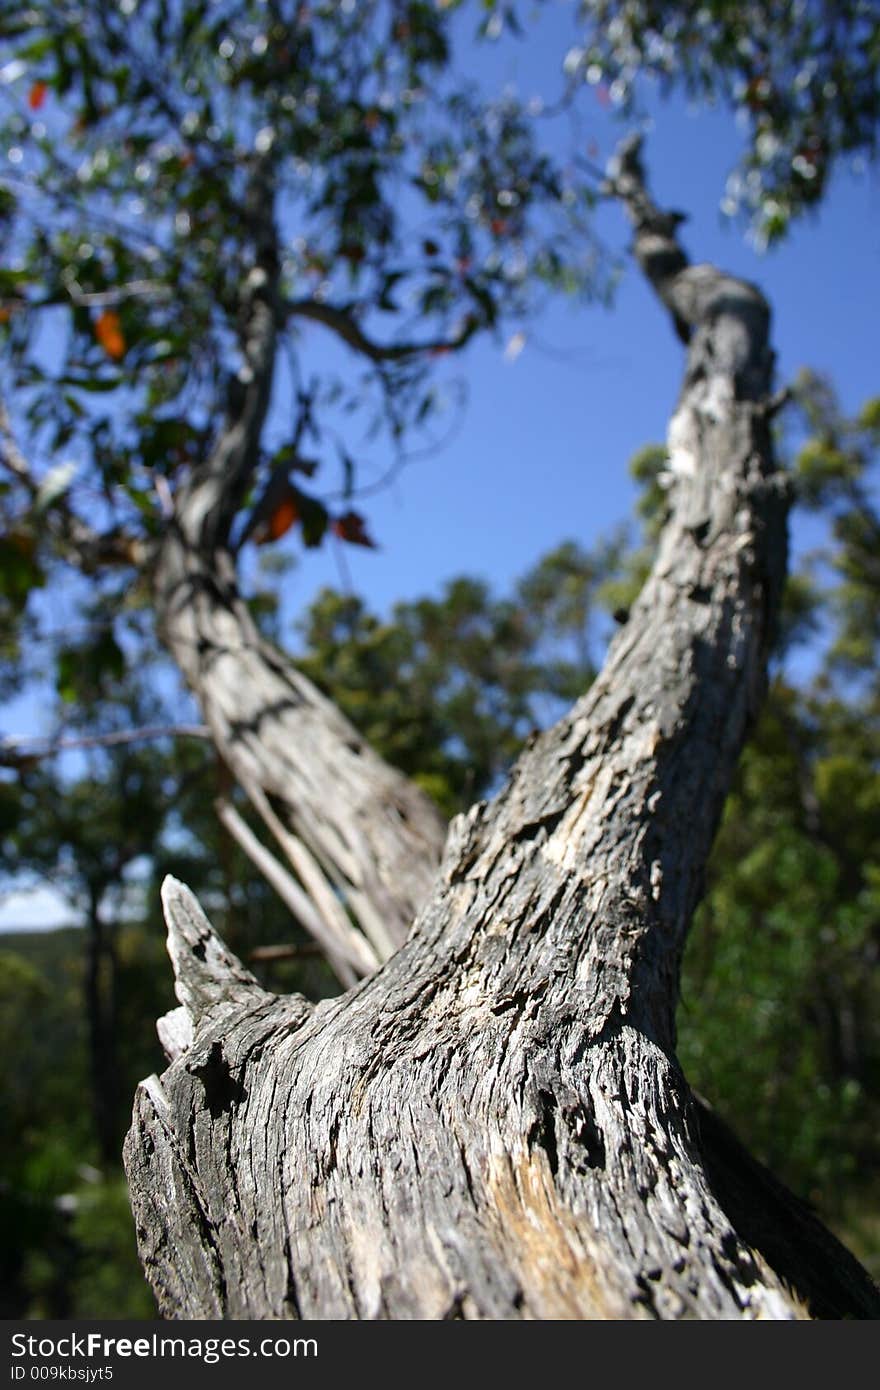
(494, 1125)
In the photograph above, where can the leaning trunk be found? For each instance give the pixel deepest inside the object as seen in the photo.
(495, 1124)
(359, 844)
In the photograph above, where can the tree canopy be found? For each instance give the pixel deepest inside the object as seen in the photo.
(146, 141)
(148, 145)
(802, 80)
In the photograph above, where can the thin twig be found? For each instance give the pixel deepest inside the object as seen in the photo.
(304, 911)
(284, 952)
(12, 455)
(15, 750)
(135, 289)
(348, 941)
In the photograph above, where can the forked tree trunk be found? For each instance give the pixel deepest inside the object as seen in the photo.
(494, 1125)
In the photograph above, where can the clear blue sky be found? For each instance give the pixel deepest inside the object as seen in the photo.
(540, 451)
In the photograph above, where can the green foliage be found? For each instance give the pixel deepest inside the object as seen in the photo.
(781, 996)
(449, 688)
(108, 1273)
(832, 471)
(801, 78)
(780, 1001)
(43, 1135)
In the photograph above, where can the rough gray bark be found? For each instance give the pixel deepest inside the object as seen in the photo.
(494, 1125)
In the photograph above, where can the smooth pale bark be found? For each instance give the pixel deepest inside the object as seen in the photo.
(494, 1125)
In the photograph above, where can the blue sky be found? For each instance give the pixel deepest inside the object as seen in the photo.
(539, 454)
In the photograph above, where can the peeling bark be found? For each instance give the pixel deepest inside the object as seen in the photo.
(494, 1125)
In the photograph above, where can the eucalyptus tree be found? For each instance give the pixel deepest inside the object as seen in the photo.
(494, 1124)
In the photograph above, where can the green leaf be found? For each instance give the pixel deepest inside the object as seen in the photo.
(19, 570)
(83, 670)
(90, 383)
(313, 519)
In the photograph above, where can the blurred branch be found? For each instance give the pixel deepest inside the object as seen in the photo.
(337, 930)
(12, 456)
(281, 952)
(135, 289)
(304, 910)
(343, 323)
(16, 752)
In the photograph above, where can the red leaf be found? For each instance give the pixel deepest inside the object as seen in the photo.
(280, 521)
(37, 95)
(108, 331)
(350, 527)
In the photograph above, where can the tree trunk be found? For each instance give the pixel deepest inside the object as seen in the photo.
(100, 989)
(354, 830)
(495, 1125)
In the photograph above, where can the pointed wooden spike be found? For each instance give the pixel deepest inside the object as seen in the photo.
(205, 972)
